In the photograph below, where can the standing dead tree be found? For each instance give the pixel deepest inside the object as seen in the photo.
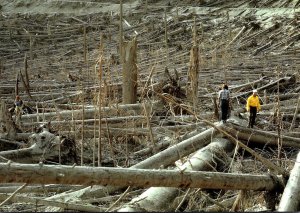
(193, 73)
(129, 71)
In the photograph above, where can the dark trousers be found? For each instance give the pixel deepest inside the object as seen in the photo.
(224, 109)
(253, 111)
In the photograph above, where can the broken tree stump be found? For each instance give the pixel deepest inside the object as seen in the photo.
(129, 71)
(8, 127)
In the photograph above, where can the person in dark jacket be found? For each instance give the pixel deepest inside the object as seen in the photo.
(224, 101)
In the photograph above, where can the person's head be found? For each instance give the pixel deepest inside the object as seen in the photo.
(254, 92)
(18, 97)
(225, 86)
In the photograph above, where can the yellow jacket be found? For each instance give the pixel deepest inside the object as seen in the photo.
(254, 102)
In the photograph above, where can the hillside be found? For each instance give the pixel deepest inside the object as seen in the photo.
(63, 59)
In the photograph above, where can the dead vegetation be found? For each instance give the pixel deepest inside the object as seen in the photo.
(67, 68)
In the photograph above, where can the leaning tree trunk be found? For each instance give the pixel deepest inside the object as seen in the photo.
(290, 199)
(160, 198)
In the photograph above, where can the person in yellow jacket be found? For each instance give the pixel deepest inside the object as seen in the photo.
(253, 106)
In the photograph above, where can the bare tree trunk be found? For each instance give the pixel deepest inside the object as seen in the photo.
(129, 60)
(160, 198)
(193, 73)
(89, 112)
(50, 174)
(290, 199)
(164, 158)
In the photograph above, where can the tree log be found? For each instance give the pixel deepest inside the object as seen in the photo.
(284, 115)
(281, 81)
(259, 136)
(164, 158)
(81, 175)
(290, 199)
(89, 112)
(268, 106)
(160, 198)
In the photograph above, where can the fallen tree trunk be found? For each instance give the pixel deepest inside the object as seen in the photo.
(89, 112)
(283, 97)
(268, 106)
(248, 86)
(290, 199)
(259, 136)
(282, 82)
(284, 115)
(243, 87)
(160, 198)
(164, 158)
(51, 174)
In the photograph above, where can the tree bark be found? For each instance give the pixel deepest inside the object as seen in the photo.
(290, 199)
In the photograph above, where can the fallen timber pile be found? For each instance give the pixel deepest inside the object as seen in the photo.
(102, 153)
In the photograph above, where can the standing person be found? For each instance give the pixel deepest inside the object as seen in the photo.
(253, 106)
(224, 98)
